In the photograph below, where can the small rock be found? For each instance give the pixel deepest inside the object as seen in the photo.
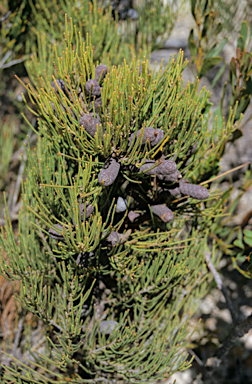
(121, 205)
(132, 215)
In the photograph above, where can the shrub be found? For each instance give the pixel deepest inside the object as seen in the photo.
(114, 224)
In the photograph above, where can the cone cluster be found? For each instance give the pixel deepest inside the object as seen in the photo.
(169, 179)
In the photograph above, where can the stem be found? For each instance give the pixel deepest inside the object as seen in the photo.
(221, 287)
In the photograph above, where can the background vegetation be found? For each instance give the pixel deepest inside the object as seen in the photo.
(28, 28)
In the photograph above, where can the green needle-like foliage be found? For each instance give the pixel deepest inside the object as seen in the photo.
(90, 20)
(122, 39)
(116, 291)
